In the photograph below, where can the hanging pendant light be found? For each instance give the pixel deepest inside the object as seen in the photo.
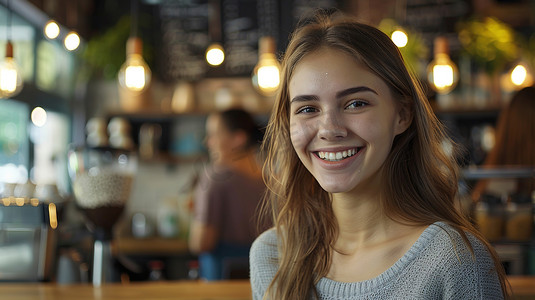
(134, 75)
(10, 76)
(399, 37)
(266, 74)
(51, 29)
(215, 53)
(442, 73)
(72, 41)
(520, 75)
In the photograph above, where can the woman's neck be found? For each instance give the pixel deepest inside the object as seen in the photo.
(361, 220)
(245, 162)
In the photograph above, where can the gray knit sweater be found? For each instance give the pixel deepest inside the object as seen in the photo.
(438, 266)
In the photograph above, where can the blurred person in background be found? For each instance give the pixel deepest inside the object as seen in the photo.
(227, 195)
(514, 147)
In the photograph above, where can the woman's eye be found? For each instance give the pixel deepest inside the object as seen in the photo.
(356, 104)
(306, 109)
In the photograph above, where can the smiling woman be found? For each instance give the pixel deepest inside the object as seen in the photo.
(361, 191)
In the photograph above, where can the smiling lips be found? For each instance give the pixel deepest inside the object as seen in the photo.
(337, 156)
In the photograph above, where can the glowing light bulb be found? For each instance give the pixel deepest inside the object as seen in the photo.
(72, 41)
(134, 74)
(10, 76)
(51, 29)
(442, 73)
(266, 74)
(442, 76)
(519, 75)
(399, 38)
(38, 116)
(215, 54)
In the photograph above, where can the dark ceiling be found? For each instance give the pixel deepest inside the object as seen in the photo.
(91, 17)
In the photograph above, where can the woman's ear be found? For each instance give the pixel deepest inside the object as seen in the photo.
(404, 119)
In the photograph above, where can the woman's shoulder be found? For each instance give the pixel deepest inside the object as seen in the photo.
(459, 252)
(452, 238)
(446, 240)
(265, 245)
(466, 265)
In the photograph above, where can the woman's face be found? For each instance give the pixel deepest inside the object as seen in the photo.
(343, 120)
(219, 140)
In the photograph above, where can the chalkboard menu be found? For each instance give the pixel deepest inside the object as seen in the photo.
(188, 27)
(240, 35)
(185, 38)
(432, 18)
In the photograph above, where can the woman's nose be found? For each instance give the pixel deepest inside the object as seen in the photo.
(331, 126)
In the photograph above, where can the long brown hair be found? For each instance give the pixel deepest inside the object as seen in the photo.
(515, 140)
(420, 178)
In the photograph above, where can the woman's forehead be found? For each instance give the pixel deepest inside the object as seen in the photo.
(334, 68)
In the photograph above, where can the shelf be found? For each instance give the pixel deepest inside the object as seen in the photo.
(510, 172)
(149, 246)
(468, 113)
(164, 157)
(155, 115)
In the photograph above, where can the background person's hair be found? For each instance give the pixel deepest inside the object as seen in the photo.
(420, 178)
(515, 139)
(237, 119)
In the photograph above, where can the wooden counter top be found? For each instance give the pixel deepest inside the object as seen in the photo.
(523, 289)
(166, 290)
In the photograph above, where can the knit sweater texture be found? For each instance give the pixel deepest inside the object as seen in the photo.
(438, 266)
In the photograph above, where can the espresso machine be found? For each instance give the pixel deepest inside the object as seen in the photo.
(27, 239)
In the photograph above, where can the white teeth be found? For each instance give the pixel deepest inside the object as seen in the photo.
(336, 156)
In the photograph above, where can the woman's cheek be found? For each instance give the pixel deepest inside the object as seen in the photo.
(300, 134)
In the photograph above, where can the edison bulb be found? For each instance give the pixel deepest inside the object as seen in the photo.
(51, 29)
(134, 74)
(72, 41)
(442, 74)
(215, 54)
(399, 38)
(519, 75)
(10, 78)
(266, 76)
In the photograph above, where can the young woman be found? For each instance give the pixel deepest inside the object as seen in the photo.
(362, 192)
(227, 196)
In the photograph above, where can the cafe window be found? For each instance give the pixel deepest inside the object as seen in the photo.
(54, 69)
(14, 143)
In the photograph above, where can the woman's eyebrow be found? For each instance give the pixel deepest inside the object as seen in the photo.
(340, 94)
(301, 98)
(353, 90)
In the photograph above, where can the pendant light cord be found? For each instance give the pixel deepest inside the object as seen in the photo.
(133, 18)
(8, 28)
